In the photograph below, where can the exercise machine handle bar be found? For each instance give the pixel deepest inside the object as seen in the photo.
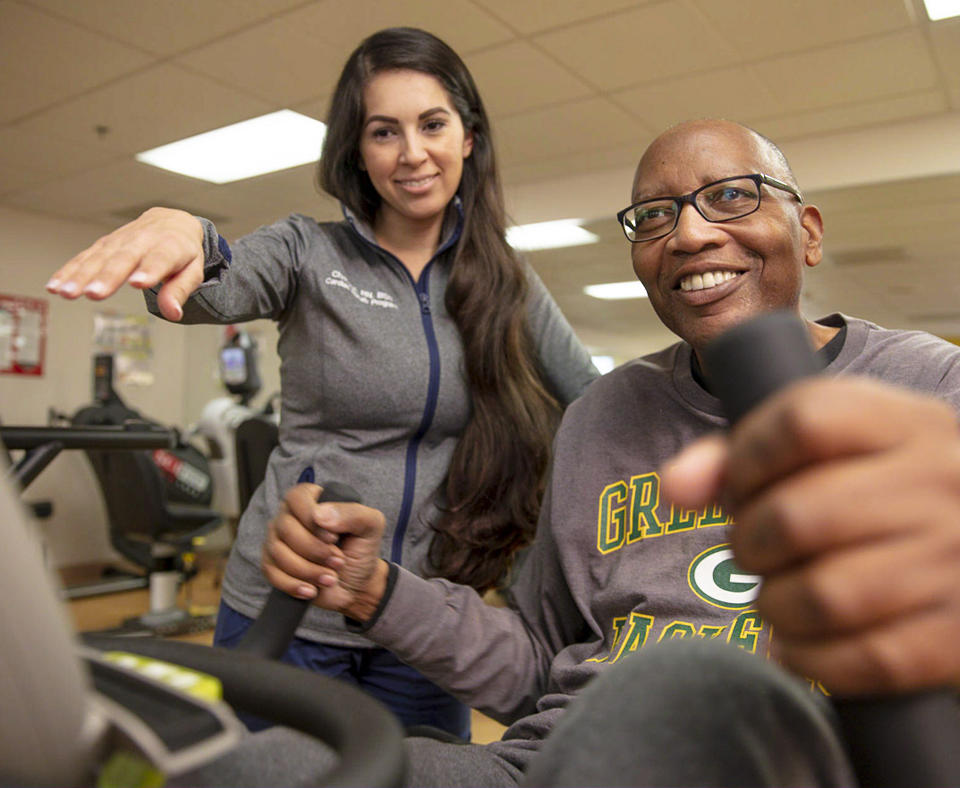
(93, 438)
(274, 628)
(43, 444)
(901, 741)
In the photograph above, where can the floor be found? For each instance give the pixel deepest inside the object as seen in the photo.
(201, 596)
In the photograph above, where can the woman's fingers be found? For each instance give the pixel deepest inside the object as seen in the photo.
(161, 245)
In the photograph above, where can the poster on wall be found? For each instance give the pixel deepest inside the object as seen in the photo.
(23, 334)
(127, 339)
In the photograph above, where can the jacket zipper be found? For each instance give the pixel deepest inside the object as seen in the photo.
(422, 290)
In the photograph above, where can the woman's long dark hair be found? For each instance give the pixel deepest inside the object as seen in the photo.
(495, 480)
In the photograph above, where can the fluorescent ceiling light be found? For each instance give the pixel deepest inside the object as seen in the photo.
(614, 291)
(549, 235)
(942, 9)
(603, 363)
(252, 147)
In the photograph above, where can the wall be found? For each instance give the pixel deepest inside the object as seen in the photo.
(184, 366)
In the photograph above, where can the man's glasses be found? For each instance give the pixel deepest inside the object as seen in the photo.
(720, 201)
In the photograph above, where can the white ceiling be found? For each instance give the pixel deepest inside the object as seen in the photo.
(864, 96)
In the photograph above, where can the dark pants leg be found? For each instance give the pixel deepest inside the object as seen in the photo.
(281, 757)
(694, 713)
(415, 700)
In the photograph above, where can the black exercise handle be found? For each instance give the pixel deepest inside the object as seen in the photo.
(904, 741)
(752, 360)
(106, 438)
(274, 628)
(42, 445)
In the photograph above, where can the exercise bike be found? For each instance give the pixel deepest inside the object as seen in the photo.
(238, 438)
(158, 505)
(100, 713)
(907, 741)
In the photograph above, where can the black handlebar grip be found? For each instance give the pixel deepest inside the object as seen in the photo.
(274, 628)
(902, 741)
(752, 360)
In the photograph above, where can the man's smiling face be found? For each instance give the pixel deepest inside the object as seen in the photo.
(705, 277)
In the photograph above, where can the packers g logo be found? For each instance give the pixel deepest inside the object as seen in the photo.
(715, 578)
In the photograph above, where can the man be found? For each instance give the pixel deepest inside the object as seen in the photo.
(847, 501)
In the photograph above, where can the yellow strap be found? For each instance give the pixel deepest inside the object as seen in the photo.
(193, 682)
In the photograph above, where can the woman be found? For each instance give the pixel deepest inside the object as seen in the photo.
(421, 362)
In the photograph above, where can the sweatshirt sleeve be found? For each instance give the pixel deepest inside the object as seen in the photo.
(564, 361)
(495, 659)
(255, 277)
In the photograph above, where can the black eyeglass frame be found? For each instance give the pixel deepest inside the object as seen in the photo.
(758, 178)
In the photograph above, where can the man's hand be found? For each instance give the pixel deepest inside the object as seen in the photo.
(161, 245)
(327, 552)
(846, 496)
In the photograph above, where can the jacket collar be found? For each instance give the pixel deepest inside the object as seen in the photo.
(449, 233)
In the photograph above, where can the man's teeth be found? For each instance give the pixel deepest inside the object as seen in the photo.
(709, 279)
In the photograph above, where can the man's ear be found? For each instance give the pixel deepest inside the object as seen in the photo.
(811, 227)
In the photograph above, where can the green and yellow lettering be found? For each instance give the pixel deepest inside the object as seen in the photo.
(637, 631)
(677, 629)
(713, 515)
(745, 630)
(612, 517)
(644, 498)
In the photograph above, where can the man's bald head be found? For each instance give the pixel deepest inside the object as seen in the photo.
(667, 145)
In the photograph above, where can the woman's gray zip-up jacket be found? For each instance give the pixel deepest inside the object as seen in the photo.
(373, 388)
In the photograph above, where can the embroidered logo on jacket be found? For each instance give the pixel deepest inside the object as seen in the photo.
(381, 299)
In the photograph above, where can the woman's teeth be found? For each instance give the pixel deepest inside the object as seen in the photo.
(419, 182)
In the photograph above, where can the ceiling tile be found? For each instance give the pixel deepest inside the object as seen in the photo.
(894, 227)
(945, 39)
(16, 177)
(44, 60)
(729, 93)
(874, 68)
(855, 114)
(460, 23)
(300, 54)
(573, 128)
(162, 27)
(759, 28)
(913, 191)
(640, 46)
(314, 108)
(29, 158)
(517, 77)
(253, 202)
(150, 108)
(611, 157)
(805, 72)
(100, 192)
(532, 16)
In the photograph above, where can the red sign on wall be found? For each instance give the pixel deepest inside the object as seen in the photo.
(23, 334)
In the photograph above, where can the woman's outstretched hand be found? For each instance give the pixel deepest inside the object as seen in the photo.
(162, 245)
